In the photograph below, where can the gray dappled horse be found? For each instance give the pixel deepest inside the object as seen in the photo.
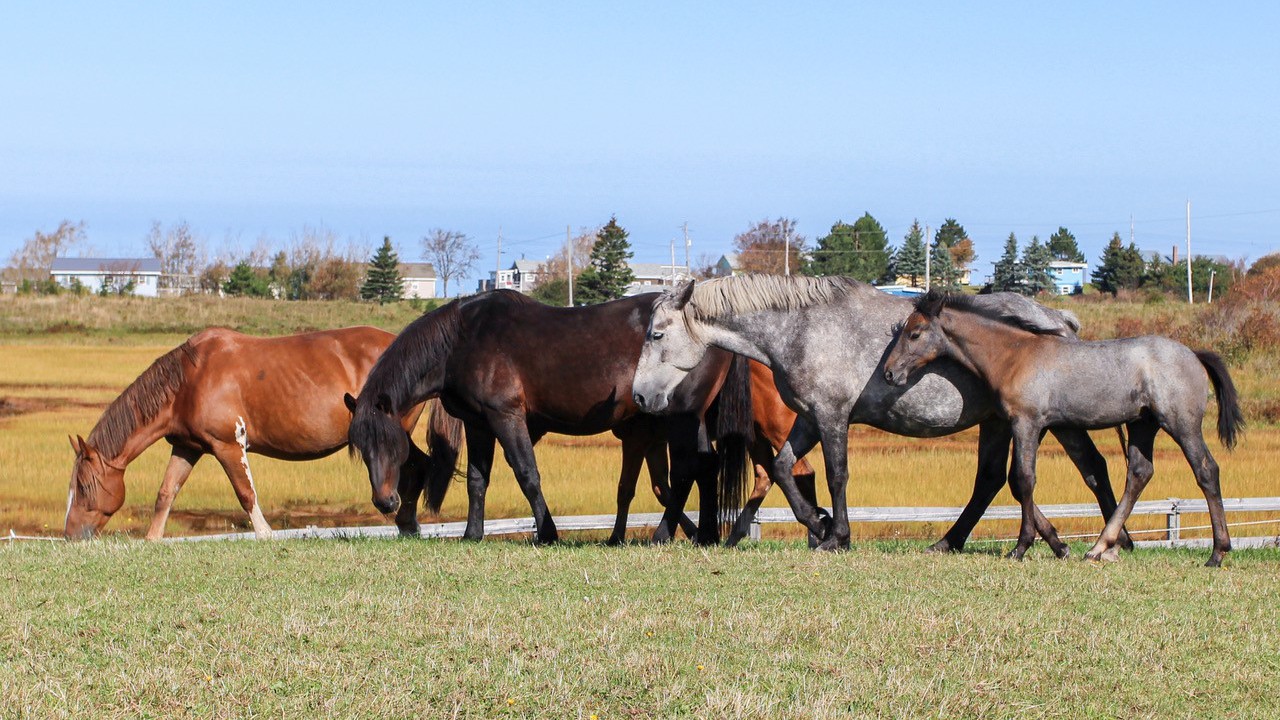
(825, 340)
(1042, 381)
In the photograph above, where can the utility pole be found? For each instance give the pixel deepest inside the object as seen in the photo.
(497, 266)
(568, 243)
(1189, 298)
(928, 256)
(673, 262)
(687, 245)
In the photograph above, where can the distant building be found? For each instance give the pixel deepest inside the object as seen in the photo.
(727, 266)
(113, 273)
(418, 280)
(651, 277)
(1068, 277)
(522, 276)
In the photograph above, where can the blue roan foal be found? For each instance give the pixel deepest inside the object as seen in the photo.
(1147, 383)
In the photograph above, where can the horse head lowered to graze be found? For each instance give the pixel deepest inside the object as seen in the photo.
(825, 340)
(1044, 381)
(226, 394)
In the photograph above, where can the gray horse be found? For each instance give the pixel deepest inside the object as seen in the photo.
(825, 340)
(1147, 383)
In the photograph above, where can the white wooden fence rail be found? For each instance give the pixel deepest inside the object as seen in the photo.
(1172, 509)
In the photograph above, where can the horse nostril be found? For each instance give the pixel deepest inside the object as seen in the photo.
(888, 375)
(639, 399)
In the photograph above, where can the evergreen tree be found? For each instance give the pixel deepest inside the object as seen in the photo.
(1121, 267)
(1008, 273)
(909, 260)
(382, 281)
(953, 236)
(859, 251)
(244, 280)
(943, 273)
(1062, 245)
(609, 274)
(1035, 268)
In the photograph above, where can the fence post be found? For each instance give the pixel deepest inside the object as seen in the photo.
(1173, 521)
(755, 529)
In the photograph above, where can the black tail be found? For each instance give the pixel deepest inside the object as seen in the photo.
(734, 434)
(444, 440)
(1230, 417)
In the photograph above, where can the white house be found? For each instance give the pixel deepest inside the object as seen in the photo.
(114, 273)
(1068, 277)
(651, 277)
(418, 280)
(522, 276)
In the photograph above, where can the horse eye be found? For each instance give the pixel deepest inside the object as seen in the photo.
(915, 335)
(655, 335)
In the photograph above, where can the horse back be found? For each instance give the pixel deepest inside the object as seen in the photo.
(288, 391)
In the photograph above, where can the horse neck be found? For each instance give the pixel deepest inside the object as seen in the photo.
(144, 435)
(736, 334)
(984, 347)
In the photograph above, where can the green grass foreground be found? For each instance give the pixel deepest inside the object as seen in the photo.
(503, 629)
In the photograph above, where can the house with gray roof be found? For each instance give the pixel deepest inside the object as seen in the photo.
(112, 273)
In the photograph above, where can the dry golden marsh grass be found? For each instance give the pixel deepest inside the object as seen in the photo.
(56, 383)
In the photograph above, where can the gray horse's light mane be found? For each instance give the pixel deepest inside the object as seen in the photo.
(754, 293)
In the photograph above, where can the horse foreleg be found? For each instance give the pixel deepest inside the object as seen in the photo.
(633, 454)
(234, 460)
(1026, 443)
(181, 461)
(517, 447)
(413, 477)
(479, 465)
(994, 438)
(835, 452)
(802, 438)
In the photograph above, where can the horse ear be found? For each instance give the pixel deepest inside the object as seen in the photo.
(384, 404)
(83, 446)
(74, 447)
(349, 401)
(686, 294)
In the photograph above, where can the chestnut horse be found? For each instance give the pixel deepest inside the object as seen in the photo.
(227, 394)
(1042, 381)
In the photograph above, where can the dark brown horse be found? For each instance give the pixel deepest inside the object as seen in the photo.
(513, 370)
(226, 394)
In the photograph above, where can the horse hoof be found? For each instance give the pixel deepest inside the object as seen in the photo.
(943, 546)
(733, 540)
(1016, 554)
(613, 541)
(1063, 553)
(1213, 562)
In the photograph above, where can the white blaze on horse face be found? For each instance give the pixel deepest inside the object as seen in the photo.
(71, 498)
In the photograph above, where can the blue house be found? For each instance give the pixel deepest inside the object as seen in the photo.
(1068, 277)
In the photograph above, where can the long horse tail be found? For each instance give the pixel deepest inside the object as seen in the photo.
(734, 435)
(444, 441)
(1230, 417)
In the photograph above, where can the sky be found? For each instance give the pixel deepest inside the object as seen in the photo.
(250, 120)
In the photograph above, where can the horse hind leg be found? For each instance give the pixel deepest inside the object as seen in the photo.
(1142, 435)
(181, 461)
(1206, 472)
(633, 455)
(235, 462)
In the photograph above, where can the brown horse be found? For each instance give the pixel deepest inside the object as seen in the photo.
(226, 394)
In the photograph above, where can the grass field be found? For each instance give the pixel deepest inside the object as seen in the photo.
(577, 630)
(502, 629)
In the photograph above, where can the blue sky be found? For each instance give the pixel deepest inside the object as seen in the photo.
(251, 119)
